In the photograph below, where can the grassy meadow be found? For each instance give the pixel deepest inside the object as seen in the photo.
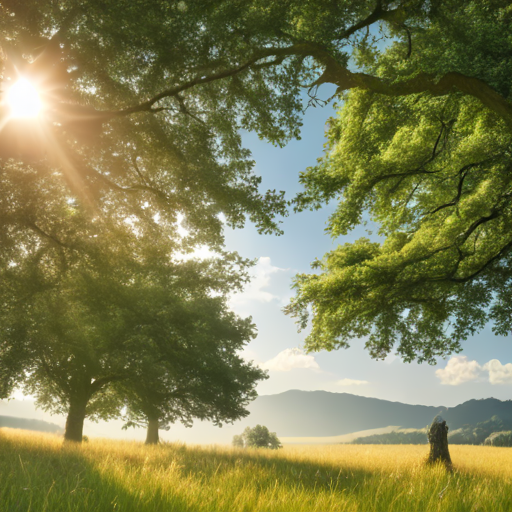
(38, 473)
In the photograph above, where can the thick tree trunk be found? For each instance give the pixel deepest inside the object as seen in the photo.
(75, 421)
(438, 439)
(152, 432)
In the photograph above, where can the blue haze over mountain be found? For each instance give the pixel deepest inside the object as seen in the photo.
(320, 413)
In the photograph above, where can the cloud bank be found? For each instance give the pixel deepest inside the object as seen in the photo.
(499, 373)
(459, 370)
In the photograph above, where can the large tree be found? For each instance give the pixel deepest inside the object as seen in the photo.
(86, 302)
(187, 344)
(432, 167)
(190, 369)
(151, 329)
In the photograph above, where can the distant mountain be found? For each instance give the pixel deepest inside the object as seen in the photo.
(28, 424)
(320, 413)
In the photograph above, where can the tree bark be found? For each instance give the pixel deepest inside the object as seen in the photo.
(438, 439)
(75, 421)
(152, 432)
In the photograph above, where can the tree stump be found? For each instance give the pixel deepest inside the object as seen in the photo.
(438, 439)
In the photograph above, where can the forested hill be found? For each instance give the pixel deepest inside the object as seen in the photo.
(28, 424)
(477, 411)
(320, 413)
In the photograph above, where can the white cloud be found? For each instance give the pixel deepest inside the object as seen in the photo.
(351, 382)
(499, 373)
(256, 289)
(289, 359)
(459, 370)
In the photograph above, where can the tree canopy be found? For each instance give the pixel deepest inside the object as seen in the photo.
(94, 335)
(187, 364)
(432, 168)
(148, 97)
(143, 103)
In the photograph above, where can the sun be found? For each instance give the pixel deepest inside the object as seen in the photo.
(23, 99)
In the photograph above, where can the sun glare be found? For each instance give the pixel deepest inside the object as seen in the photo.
(23, 99)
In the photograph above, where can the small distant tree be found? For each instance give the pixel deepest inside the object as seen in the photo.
(257, 437)
(238, 441)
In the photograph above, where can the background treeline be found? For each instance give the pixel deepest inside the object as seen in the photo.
(29, 424)
(493, 432)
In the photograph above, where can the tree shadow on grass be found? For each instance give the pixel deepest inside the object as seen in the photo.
(265, 470)
(45, 479)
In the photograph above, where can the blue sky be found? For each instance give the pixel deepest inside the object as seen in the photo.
(467, 375)
(483, 369)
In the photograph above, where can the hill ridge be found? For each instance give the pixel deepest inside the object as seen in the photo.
(317, 413)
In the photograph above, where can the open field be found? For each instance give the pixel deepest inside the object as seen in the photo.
(38, 473)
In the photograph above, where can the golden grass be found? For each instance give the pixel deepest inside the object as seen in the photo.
(39, 473)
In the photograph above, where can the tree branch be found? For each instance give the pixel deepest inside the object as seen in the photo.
(462, 176)
(413, 172)
(495, 213)
(502, 252)
(103, 381)
(46, 235)
(409, 41)
(137, 170)
(337, 74)
(378, 14)
(184, 109)
(133, 188)
(280, 53)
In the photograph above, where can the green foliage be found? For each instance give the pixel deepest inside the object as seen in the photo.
(257, 437)
(148, 98)
(433, 171)
(87, 305)
(479, 433)
(499, 439)
(144, 103)
(188, 365)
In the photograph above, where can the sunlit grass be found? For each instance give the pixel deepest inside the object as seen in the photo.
(39, 473)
